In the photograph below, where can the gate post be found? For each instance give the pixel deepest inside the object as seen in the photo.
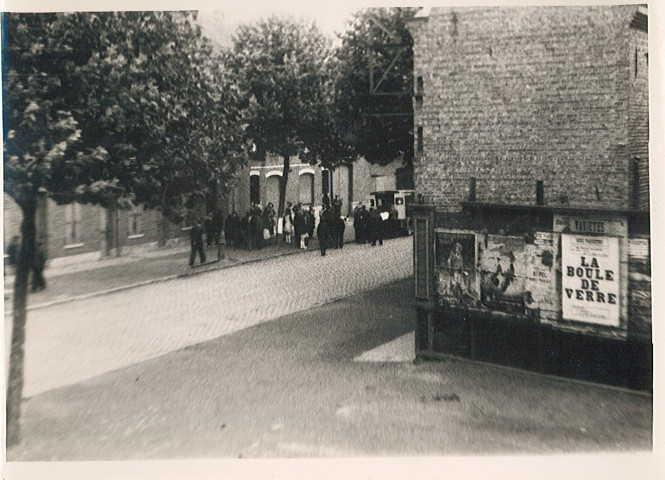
(423, 273)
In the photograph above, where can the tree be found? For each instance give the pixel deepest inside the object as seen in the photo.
(162, 103)
(375, 116)
(106, 108)
(285, 67)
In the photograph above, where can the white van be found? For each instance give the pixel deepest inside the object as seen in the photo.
(395, 203)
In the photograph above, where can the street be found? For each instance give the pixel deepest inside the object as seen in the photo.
(195, 368)
(89, 337)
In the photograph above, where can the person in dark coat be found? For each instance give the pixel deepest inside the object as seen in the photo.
(300, 227)
(327, 218)
(323, 234)
(229, 230)
(363, 225)
(38, 264)
(245, 230)
(337, 227)
(217, 226)
(256, 230)
(196, 243)
(375, 227)
(337, 206)
(309, 221)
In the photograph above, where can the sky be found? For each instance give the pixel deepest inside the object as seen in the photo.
(330, 16)
(219, 24)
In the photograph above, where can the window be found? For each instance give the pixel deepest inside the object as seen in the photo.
(325, 182)
(420, 140)
(254, 189)
(272, 189)
(306, 181)
(72, 224)
(135, 228)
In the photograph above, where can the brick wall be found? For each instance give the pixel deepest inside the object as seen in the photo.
(268, 183)
(90, 228)
(516, 95)
(638, 119)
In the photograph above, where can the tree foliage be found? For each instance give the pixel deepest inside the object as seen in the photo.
(154, 111)
(369, 122)
(286, 68)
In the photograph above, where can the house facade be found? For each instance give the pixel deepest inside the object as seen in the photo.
(352, 182)
(76, 232)
(533, 246)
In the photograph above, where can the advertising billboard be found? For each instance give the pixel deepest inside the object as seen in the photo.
(590, 279)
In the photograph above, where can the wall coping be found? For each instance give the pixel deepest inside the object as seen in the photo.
(633, 214)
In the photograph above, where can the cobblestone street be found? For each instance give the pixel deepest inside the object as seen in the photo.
(78, 340)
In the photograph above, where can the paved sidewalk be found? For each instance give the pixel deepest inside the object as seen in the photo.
(84, 279)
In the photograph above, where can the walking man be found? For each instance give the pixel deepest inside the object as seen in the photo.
(376, 227)
(323, 234)
(196, 242)
(363, 225)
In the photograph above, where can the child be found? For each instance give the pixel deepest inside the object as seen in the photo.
(287, 227)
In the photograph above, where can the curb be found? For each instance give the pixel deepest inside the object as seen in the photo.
(560, 379)
(232, 263)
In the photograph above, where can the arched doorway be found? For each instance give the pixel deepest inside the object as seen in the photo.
(272, 189)
(255, 188)
(306, 188)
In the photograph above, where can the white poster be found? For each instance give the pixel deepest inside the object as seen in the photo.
(590, 279)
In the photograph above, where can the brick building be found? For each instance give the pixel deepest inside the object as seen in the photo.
(77, 232)
(351, 181)
(533, 247)
(511, 96)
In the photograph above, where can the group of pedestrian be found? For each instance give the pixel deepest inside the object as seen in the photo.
(256, 228)
(38, 261)
(368, 225)
(330, 231)
(211, 228)
(298, 225)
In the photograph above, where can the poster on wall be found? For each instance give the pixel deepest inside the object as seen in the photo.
(590, 279)
(456, 267)
(502, 262)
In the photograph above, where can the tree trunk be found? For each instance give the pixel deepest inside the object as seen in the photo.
(165, 231)
(108, 233)
(17, 352)
(282, 186)
(116, 217)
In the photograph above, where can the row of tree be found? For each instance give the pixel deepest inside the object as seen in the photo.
(126, 108)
